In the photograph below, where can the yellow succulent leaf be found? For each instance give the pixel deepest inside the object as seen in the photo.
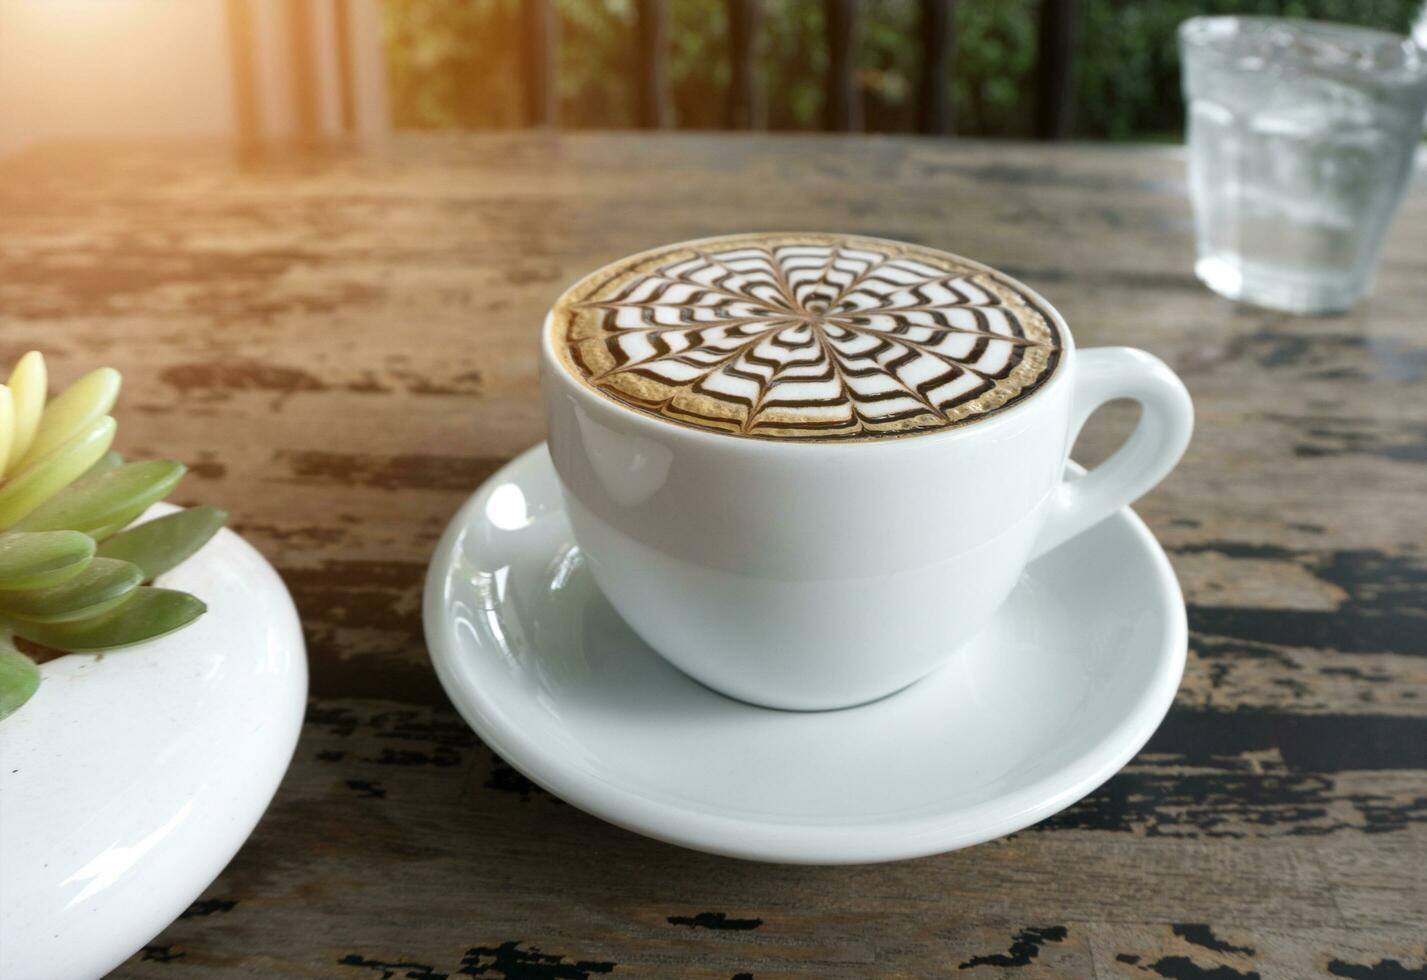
(7, 425)
(87, 399)
(28, 384)
(42, 479)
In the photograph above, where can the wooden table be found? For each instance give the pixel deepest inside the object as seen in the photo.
(342, 347)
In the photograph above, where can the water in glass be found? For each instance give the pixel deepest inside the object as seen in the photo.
(1301, 139)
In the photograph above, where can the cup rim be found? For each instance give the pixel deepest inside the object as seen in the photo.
(553, 365)
(1202, 34)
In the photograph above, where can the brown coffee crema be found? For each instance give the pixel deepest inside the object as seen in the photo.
(806, 337)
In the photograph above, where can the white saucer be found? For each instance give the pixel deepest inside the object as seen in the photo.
(132, 777)
(1065, 686)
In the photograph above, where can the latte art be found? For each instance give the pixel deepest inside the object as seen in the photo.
(806, 337)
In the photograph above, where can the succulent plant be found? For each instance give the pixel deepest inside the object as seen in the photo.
(72, 571)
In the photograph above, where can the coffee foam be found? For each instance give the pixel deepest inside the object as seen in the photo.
(806, 337)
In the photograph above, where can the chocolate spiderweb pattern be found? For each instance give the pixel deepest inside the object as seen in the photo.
(806, 337)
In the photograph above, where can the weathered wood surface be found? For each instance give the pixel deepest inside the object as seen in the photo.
(342, 347)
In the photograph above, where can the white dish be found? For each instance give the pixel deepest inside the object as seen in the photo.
(131, 778)
(1066, 685)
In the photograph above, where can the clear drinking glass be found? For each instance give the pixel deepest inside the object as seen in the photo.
(1301, 139)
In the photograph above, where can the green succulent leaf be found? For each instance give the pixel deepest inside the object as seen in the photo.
(29, 380)
(37, 560)
(103, 585)
(70, 412)
(107, 500)
(41, 480)
(108, 461)
(162, 543)
(19, 678)
(147, 613)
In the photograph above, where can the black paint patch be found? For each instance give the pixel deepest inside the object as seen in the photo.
(339, 721)
(1329, 435)
(512, 963)
(208, 469)
(239, 376)
(1347, 630)
(410, 471)
(1183, 968)
(442, 756)
(208, 906)
(1129, 958)
(393, 970)
(1307, 743)
(1338, 356)
(1201, 935)
(441, 728)
(1384, 815)
(1335, 630)
(1356, 674)
(1375, 580)
(1239, 549)
(1009, 174)
(466, 383)
(742, 976)
(367, 789)
(713, 920)
(1381, 970)
(1200, 805)
(1233, 803)
(505, 778)
(1211, 648)
(1386, 609)
(119, 268)
(1025, 946)
(161, 954)
(438, 729)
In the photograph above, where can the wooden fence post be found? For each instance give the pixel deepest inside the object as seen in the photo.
(844, 95)
(747, 108)
(541, 29)
(936, 112)
(655, 105)
(1060, 36)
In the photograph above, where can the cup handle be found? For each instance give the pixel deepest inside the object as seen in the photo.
(1166, 420)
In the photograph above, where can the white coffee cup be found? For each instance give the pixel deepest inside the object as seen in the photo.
(816, 574)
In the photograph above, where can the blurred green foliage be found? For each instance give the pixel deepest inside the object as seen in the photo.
(1129, 78)
(456, 63)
